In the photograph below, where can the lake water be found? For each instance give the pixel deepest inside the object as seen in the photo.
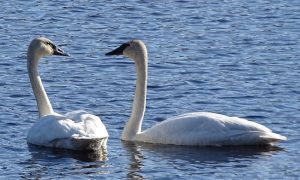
(238, 58)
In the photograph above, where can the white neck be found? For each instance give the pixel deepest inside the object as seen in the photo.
(41, 97)
(134, 123)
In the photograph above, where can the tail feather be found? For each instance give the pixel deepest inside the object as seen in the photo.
(273, 137)
(254, 138)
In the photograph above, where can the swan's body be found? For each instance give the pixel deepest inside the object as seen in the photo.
(199, 128)
(76, 130)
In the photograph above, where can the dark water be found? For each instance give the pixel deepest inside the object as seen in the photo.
(237, 58)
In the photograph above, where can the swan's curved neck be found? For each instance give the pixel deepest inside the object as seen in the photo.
(134, 123)
(40, 94)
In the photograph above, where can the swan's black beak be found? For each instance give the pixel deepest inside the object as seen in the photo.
(118, 51)
(59, 52)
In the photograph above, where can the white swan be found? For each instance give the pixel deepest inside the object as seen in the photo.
(198, 128)
(76, 130)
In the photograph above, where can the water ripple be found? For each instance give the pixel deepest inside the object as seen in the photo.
(239, 58)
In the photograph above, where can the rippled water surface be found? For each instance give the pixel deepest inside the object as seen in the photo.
(237, 58)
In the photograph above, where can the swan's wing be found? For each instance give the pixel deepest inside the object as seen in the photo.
(61, 129)
(89, 124)
(78, 115)
(209, 129)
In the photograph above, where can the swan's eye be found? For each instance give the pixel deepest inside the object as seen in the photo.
(50, 44)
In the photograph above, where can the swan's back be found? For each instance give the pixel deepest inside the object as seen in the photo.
(77, 130)
(204, 128)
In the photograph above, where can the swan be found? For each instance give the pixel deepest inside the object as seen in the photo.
(77, 130)
(196, 128)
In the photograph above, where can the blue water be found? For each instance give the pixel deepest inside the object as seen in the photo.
(238, 58)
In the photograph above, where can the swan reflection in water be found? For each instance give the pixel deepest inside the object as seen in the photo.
(143, 157)
(38, 152)
(43, 160)
(142, 153)
(136, 159)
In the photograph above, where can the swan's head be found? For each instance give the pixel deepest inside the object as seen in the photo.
(41, 46)
(132, 49)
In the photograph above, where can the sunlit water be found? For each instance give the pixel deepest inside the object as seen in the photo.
(237, 58)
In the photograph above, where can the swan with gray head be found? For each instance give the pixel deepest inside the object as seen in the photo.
(77, 130)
